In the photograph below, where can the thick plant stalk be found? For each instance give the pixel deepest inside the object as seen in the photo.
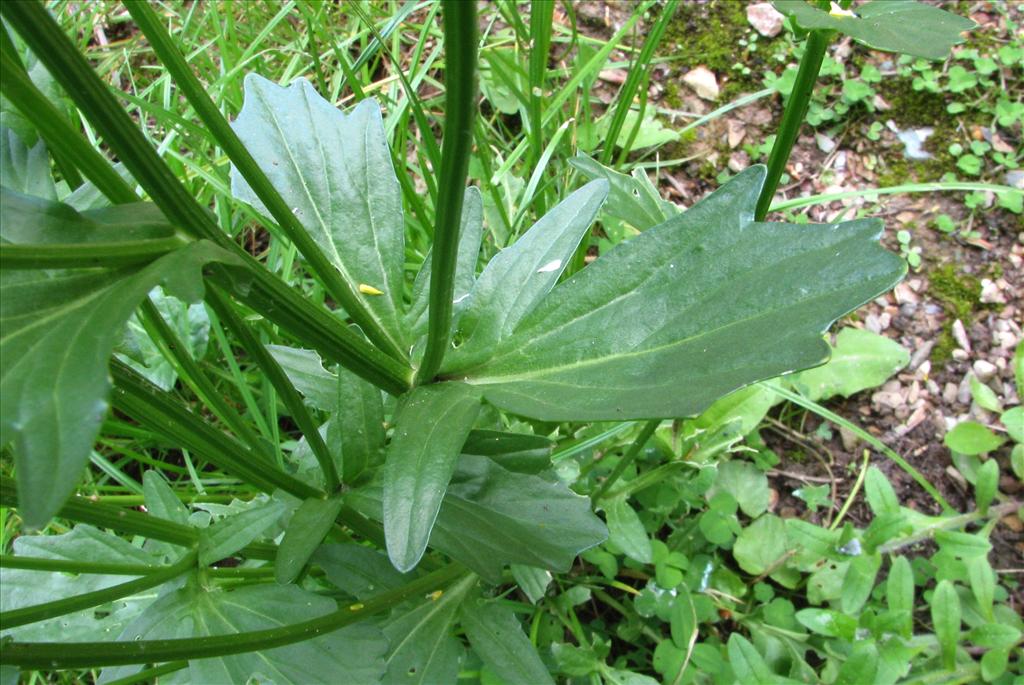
(541, 12)
(256, 286)
(156, 409)
(57, 131)
(66, 167)
(186, 367)
(345, 293)
(460, 99)
(645, 434)
(57, 655)
(277, 377)
(59, 607)
(128, 521)
(793, 117)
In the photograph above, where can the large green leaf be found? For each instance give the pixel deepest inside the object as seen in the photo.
(25, 169)
(496, 636)
(31, 220)
(139, 352)
(492, 517)
(632, 199)
(84, 543)
(902, 26)
(335, 171)
(422, 649)
(860, 360)
(350, 655)
(471, 233)
(518, 278)
(358, 570)
(431, 425)
(233, 532)
(305, 369)
(306, 530)
(358, 427)
(686, 312)
(57, 331)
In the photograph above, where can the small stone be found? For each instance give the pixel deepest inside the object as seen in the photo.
(920, 355)
(1013, 523)
(914, 392)
(949, 393)
(960, 355)
(984, 370)
(933, 388)
(991, 293)
(913, 140)
(960, 335)
(849, 438)
(735, 132)
(765, 19)
(872, 324)
(703, 82)
(884, 320)
(825, 144)
(1015, 178)
(738, 161)
(963, 391)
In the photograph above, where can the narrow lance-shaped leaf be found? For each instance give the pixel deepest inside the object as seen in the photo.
(232, 533)
(518, 278)
(470, 236)
(430, 427)
(335, 171)
(57, 331)
(306, 530)
(945, 609)
(358, 427)
(904, 26)
(492, 517)
(686, 312)
(860, 360)
(496, 636)
(423, 650)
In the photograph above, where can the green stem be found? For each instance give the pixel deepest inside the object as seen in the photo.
(254, 285)
(821, 411)
(59, 607)
(150, 675)
(174, 350)
(129, 521)
(277, 377)
(460, 100)
(81, 255)
(166, 417)
(315, 327)
(59, 134)
(541, 12)
(995, 513)
(793, 117)
(64, 165)
(873, 193)
(70, 566)
(57, 655)
(635, 76)
(645, 434)
(343, 291)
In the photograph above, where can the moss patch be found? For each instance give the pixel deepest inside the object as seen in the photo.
(960, 295)
(918, 108)
(709, 34)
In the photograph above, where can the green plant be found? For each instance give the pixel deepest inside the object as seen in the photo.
(281, 574)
